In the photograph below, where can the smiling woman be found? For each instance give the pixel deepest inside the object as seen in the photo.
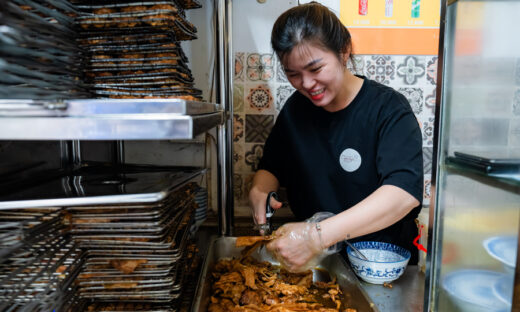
(342, 143)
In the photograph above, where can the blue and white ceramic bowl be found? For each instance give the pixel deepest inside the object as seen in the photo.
(503, 248)
(472, 290)
(503, 289)
(386, 262)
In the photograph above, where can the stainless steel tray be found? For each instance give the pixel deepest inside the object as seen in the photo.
(103, 188)
(224, 247)
(107, 119)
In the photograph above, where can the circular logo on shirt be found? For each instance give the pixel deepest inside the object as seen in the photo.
(350, 160)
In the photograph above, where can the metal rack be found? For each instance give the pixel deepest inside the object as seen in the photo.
(107, 119)
(71, 120)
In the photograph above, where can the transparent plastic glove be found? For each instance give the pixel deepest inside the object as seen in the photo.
(317, 218)
(298, 246)
(295, 245)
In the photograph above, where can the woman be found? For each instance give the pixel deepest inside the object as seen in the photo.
(342, 143)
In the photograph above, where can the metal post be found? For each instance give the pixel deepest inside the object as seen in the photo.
(119, 154)
(224, 59)
(65, 154)
(432, 261)
(76, 154)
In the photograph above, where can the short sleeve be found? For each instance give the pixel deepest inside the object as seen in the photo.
(274, 151)
(399, 151)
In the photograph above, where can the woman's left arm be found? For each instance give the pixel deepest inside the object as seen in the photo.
(384, 207)
(298, 243)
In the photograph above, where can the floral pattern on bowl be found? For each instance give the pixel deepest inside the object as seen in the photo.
(387, 262)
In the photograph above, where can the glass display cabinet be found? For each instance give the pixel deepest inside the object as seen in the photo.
(474, 217)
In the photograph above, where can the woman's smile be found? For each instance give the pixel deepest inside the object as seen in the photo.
(317, 95)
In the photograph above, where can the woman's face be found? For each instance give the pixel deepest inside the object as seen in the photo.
(317, 74)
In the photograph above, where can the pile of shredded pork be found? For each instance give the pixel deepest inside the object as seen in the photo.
(246, 284)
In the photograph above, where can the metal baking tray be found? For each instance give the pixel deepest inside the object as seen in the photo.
(115, 4)
(190, 4)
(36, 276)
(224, 247)
(99, 40)
(101, 188)
(119, 306)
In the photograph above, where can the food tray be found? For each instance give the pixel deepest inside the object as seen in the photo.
(99, 40)
(101, 187)
(158, 19)
(169, 239)
(224, 247)
(119, 306)
(19, 225)
(102, 224)
(153, 75)
(119, 62)
(38, 276)
(190, 4)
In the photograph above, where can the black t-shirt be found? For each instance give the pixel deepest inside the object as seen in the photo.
(332, 161)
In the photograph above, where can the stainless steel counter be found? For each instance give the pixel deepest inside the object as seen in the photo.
(406, 294)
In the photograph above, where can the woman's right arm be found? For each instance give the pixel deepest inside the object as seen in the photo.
(263, 183)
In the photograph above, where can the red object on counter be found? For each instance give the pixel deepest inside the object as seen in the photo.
(415, 241)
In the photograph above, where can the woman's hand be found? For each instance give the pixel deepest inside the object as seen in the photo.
(263, 183)
(297, 246)
(257, 201)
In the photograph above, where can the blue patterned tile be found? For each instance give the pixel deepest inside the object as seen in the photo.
(258, 127)
(427, 128)
(254, 155)
(238, 127)
(260, 67)
(282, 94)
(431, 70)
(429, 102)
(356, 64)
(427, 189)
(238, 97)
(238, 187)
(380, 68)
(259, 99)
(280, 73)
(427, 159)
(411, 70)
(415, 98)
(239, 164)
(239, 66)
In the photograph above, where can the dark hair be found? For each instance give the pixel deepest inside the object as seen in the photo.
(312, 23)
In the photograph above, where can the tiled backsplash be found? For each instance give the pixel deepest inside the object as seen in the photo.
(261, 88)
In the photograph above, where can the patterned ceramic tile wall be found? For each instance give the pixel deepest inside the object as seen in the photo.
(261, 88)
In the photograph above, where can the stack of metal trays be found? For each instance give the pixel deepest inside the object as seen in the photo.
(39, 261)
(136, 253)
(39, 57)
(135, 51)
(189, 4)
(102, 186)
(158, 14)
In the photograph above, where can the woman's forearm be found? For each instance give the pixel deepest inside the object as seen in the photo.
(263, 183)
(387, 205)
